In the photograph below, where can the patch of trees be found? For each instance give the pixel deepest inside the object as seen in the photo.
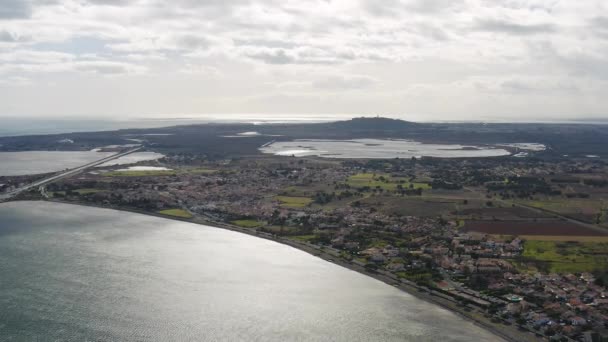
(323, 197)
(577, 195)
(570, 180)
(440, 184)
(409, 192)
(596, 182)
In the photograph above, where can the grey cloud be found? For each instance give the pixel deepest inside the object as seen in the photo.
(600, 22)
(345, 82)
(273, 57)
(526, 87)
(112, 2)
(393, 8)
(430, 6)
(264, 42)
(381, 8)
(302, 56)
(513, 28)
(15, 9)
(586, 65)
(599, 25)
(578, 64)
(191, 41)
(431, 31)
(21, 9)
(7, 37)
(105, 68)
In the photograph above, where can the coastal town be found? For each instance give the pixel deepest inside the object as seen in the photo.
(470, 233)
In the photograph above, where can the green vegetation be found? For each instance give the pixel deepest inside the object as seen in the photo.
(382, 181)
(303, 238)
(88, 191)
(176, 213)
(420, 277)
(567, 205)
(200, 171)
(77, 191)
(568, 257)
(248, 223)
(280, 230)
(294, 202)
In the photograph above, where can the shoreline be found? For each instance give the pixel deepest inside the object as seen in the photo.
(507, 333)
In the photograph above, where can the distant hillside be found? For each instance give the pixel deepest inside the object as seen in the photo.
(377, 123)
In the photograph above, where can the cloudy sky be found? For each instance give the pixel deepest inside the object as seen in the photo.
(414, 59)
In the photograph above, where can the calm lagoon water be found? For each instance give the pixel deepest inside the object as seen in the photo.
(71, 273)
(35, 162)
(376, 148)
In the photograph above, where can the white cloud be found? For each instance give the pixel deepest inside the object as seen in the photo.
(474, 55)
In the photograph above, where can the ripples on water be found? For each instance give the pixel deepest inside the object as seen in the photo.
(76, 273)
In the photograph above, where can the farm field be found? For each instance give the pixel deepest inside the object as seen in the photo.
(293, 201)
(507, 213)
(540, 227)
(248, 223)
(568, 257)
(176, 213)
(561, 238)
(588, 210)
(79, 191)
(411, 206)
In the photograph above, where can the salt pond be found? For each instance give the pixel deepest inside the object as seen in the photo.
(145, 168)
(378, 149)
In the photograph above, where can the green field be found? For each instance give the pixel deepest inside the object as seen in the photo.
(303, 238)
(280, 230)
(568, 205)
(569, 257)
(201, 171)
(294, 202)
(248, 223)
(88, 191)
(79, 191)
(176, 213)
(382, 181)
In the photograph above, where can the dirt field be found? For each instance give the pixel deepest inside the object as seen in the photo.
(509, 213)
(542, 227)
